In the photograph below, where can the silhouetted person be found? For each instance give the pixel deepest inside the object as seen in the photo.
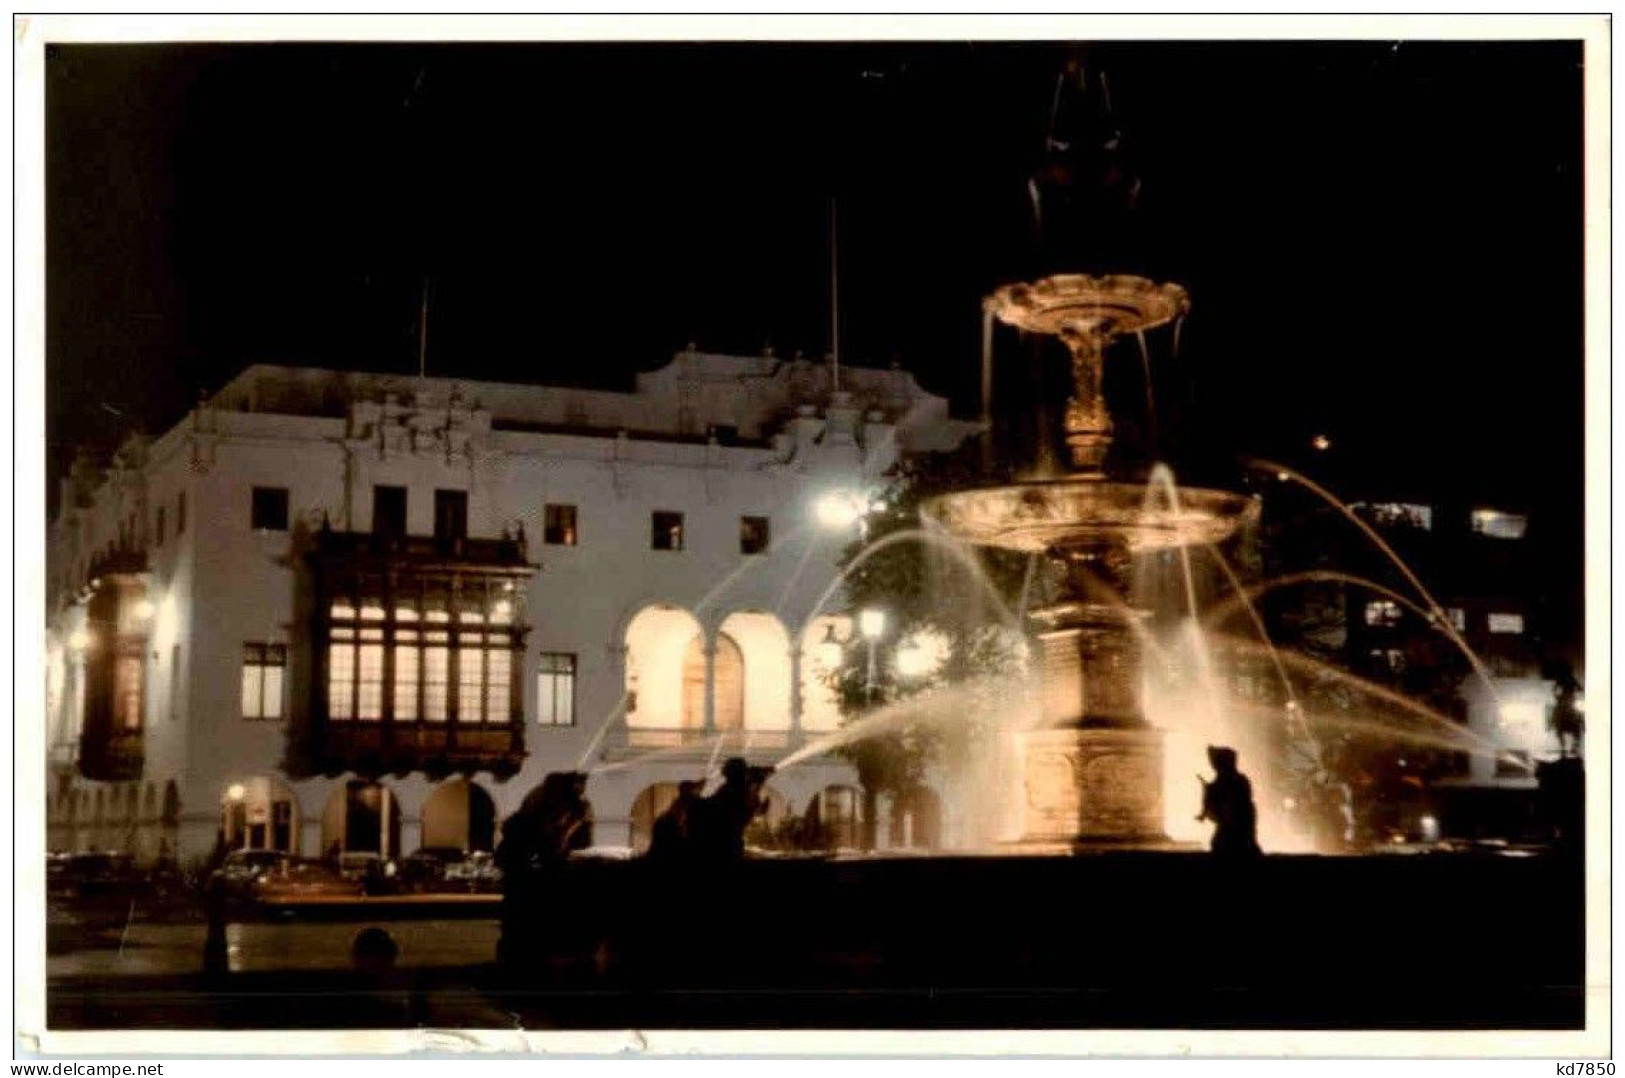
(554, 820)
(1566, 720)
(729, 811)
(1227, 802)
(672, 839)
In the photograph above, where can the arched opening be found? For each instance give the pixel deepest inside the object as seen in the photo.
(916, 820)
(840, 816)
(767, 831)
(459, 815)
(646, 809)
(259, 813)
(657, 643)
(362, 817)
(823, 647)
(729, 676)
(763, 647)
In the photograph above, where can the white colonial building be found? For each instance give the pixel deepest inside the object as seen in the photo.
(333, 609)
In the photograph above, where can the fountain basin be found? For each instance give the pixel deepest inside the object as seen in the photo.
(1106, 305)
(1060, 515)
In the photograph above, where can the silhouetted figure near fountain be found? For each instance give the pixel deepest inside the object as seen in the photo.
(672, 841)
(1566, 720)
(1227, 802)
(553, 821)
(725, 815)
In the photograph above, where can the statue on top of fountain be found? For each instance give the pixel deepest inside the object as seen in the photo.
(1083, 191)
(1227, 802)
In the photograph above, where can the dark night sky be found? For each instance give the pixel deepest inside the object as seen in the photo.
(1381, 241)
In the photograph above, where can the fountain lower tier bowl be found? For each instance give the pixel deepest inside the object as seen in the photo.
(1058, 515)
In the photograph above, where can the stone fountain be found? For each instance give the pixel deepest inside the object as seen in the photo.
(1092, 764)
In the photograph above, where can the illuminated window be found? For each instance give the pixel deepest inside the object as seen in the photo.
(1382, 612)
(1390, 659)
(559, 525)
(753, 535)
(1401, 514)
(436, 679)
(469, 683)
(127, 692)
(1458, 619)
(263, 666)
(370, 675)
(407, 680)
(1499, 525)
(341, 675)
(498, 684)
(556, 689)
(666, 531)
(1506, 623)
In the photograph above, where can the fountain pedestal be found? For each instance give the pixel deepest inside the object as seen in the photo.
(1092, 765)
(1093, 768)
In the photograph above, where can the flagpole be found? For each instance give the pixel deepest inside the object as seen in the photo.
(834, 303)
(423, 332)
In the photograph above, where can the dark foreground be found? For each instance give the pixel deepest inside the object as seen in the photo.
(1123, 939)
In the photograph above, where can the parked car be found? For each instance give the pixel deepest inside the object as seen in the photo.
(301, 878)
(478, 872)
(92, 875)
(376, 874)
(243, 868)
(425, 870)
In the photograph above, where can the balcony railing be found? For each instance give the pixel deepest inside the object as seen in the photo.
(461, 550)
(437, 748)
(733, 742)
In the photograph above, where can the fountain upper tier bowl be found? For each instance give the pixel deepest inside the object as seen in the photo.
(1078, 514)
(1102, 306)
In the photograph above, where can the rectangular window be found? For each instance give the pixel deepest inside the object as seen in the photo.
(1458, 619)
(389, 511)
(436, 679)
(263, 666)
(1382, 612)
(341, 675)
(666, 531)
(1499, 525)
(127, 693)
(753, 535)
(158, 528)
(559, 525)
(470, 683)
(369, 697)
(406, 676)
(1506, 623)
(270, 509)
(498, 684)
(450, 514)
(556, 689)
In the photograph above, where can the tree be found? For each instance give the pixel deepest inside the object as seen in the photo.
(936, 593)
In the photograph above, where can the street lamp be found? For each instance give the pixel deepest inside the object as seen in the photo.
(838, 510)
(236, 792)
(829, 648)
(872, 624)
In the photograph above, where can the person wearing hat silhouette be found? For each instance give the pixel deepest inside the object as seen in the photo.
(1227, 802)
